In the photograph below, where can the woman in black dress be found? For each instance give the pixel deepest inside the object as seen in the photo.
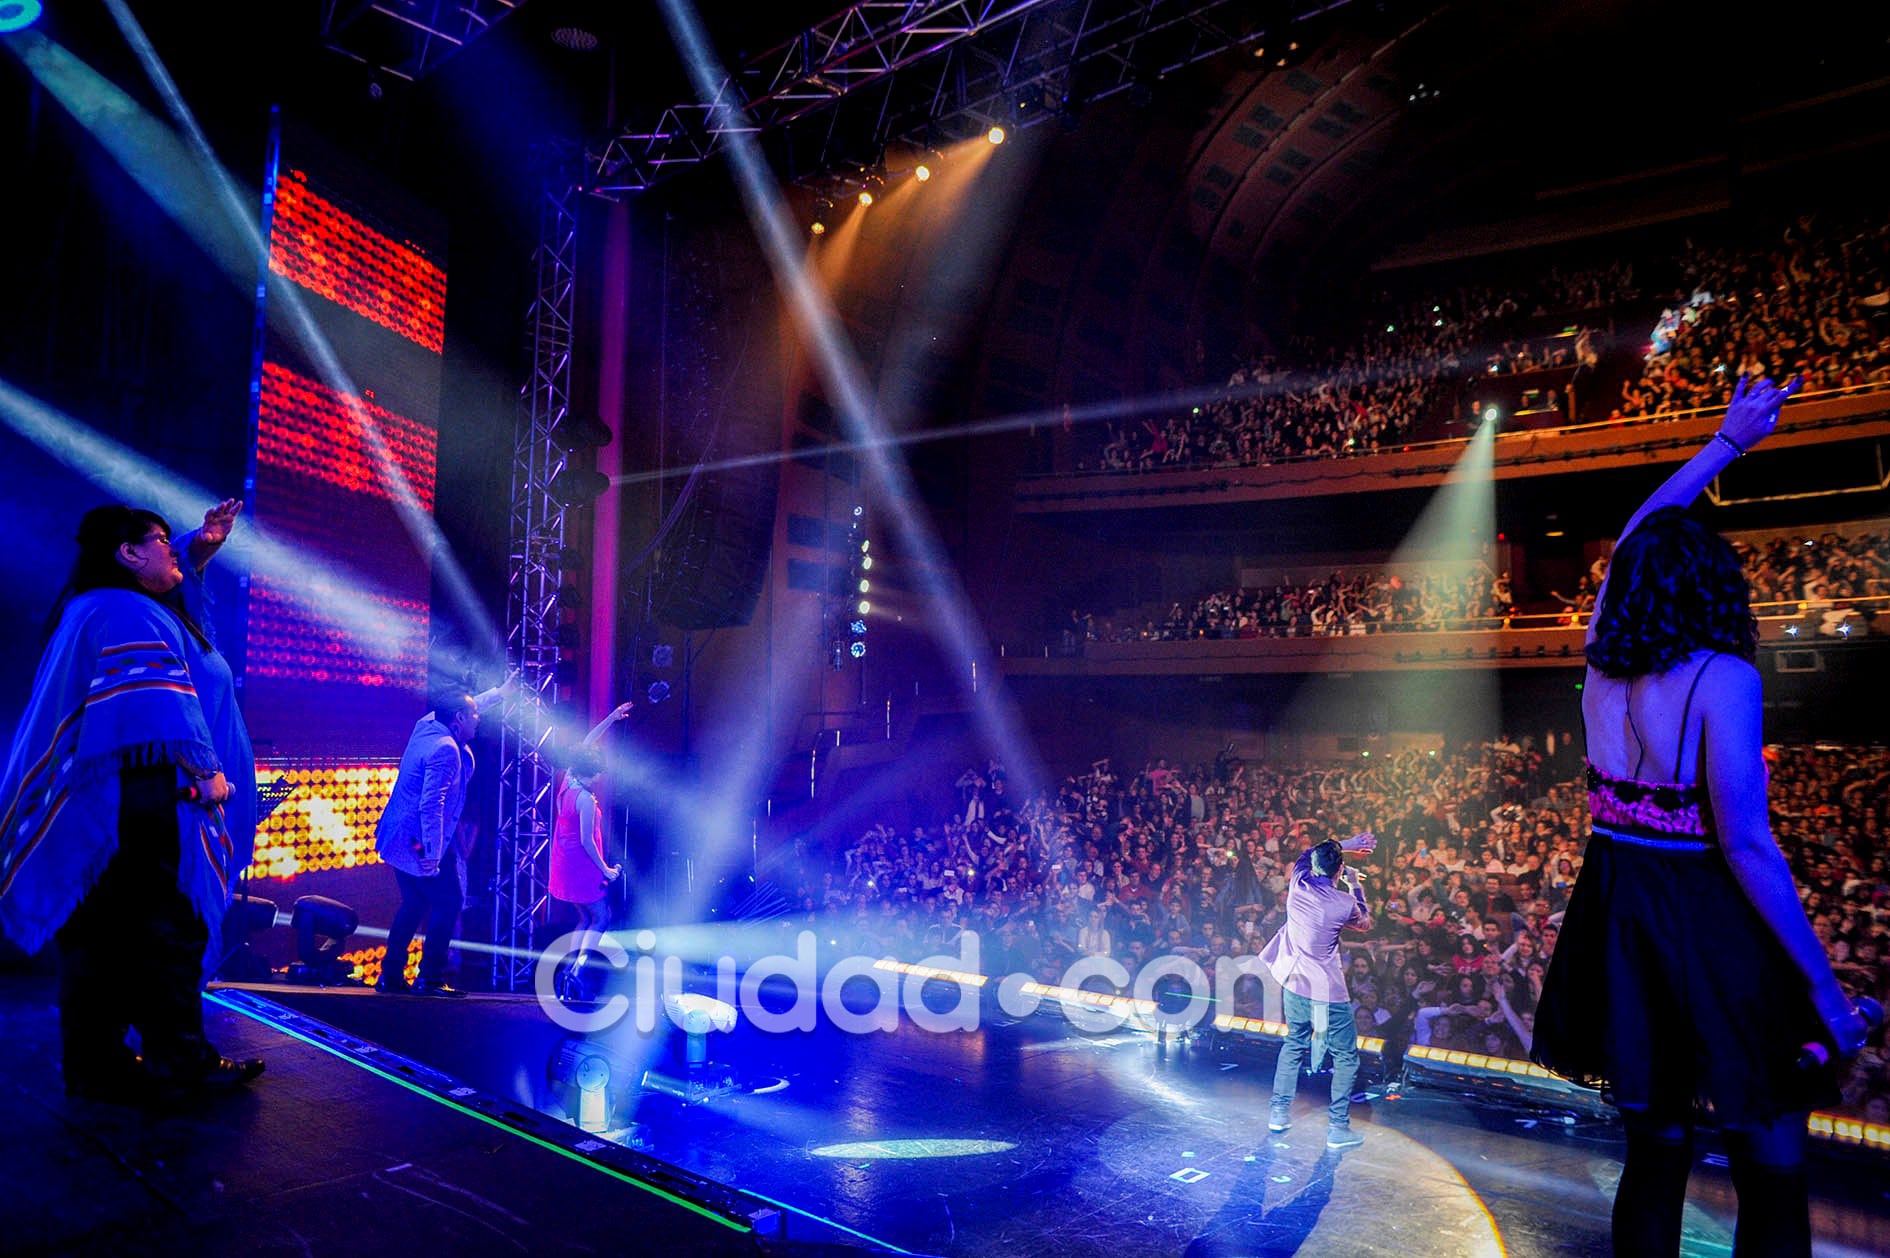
(1687, 976)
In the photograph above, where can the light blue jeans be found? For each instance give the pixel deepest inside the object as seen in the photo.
(1341, 1037)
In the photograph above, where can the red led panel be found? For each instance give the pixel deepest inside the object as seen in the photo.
(308, 428)
(328, 251)
(289, 639)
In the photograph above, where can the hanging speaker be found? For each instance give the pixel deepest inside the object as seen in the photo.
(713, 574)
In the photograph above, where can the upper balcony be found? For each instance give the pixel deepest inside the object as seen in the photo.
(1814, 419)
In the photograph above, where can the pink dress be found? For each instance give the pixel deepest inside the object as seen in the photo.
(575, 878)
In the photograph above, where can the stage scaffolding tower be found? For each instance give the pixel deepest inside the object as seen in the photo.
(531, 612)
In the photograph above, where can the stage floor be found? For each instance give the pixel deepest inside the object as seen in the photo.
(1029, 1137)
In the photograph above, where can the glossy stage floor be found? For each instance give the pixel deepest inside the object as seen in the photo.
(386, 1123)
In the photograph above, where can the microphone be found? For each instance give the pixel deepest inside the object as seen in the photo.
(1816, 1054)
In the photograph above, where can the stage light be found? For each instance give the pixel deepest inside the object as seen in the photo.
(865, 546)
(17, 15)
(1491, 414)
(865, 585)
(866, 197)
(578, 486)
(865, 607)
(866, 561)
(858, 626)
(322, 927)
(859, 511)
(1791, 631)
(580, 432)
(858, 649)
(246, 915)
(819, 228)
(922, 172)
(995, 135)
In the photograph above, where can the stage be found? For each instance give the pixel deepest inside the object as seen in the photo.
(385, 1122)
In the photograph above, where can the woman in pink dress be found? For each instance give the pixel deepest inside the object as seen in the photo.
(581, 874)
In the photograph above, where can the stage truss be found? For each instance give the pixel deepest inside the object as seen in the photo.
(520, 883)
(407, 38)
(933, 72)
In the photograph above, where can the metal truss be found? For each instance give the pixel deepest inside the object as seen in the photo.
(520, 884)
(407, 38)
(938, 71)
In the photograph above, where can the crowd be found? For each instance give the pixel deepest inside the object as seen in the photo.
(1813, 305)
(1478, 850)
(1374, 391)
(1339, 604)
(1830, 567)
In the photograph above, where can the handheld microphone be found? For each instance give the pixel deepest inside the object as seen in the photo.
(1816, 1054)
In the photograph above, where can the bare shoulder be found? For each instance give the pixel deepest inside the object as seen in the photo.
(1731, 677)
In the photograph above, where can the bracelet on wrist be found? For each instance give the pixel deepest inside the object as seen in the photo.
(1734, 446)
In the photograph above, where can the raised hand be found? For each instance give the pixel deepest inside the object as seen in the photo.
(1362, 844)
(218, 520)
(622, 710)
(1753, 412)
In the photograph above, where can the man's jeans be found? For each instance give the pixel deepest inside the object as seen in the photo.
(435, 900)
(1341, 1036)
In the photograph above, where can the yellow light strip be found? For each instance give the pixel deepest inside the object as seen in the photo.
(1822, 1124)
(1095, 1000)
(1277, 1031)
(927, 971)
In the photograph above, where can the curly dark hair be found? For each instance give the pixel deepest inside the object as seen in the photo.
(1674, 587)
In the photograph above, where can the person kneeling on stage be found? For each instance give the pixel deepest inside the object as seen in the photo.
(422, 813)
(1321, 901)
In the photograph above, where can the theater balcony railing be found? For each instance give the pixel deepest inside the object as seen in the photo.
(1820, 418)
(1547, 641)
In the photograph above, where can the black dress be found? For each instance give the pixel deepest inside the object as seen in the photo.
(1666, 990)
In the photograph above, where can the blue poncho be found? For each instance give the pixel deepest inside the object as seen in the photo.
(122, 683)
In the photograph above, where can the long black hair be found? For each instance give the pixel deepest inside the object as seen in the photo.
(1674, 587)
(102, 530)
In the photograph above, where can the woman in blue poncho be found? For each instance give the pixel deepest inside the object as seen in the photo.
(127, 808)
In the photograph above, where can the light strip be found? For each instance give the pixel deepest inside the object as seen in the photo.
(927, 971)
(1278, 1031)
(1821, 1123)
(416, 1089)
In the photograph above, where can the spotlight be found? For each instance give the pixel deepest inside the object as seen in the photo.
(578, 486)
(866, 562)
(858, 650)
(865, 585)
(866, 196)
(922, 172)
(17, 15)
(322, 927)
(577, 431)
(995, 135)
(857, 627)
(246, 915)
(865, 607)
(1491, 414)
(859, 511)
(819, 228)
